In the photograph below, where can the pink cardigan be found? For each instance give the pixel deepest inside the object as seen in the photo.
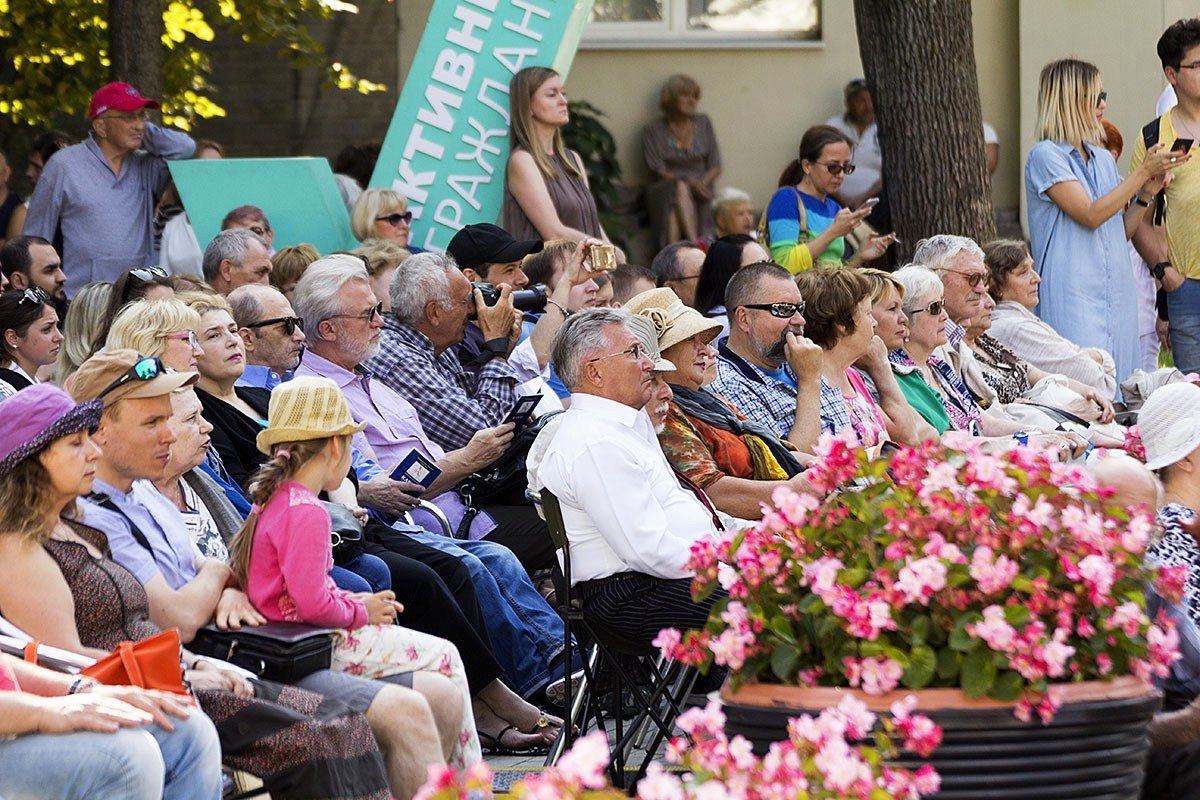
(288, 579)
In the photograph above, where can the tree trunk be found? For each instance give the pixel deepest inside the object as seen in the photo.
(135, 30)
(919, 61)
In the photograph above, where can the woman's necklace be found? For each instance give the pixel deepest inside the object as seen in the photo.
(683, 133)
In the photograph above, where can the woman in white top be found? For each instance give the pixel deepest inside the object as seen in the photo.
(29, 325)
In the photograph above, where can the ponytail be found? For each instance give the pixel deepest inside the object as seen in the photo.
(285, 461)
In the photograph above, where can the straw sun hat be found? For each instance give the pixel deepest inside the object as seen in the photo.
(1169, 423)
(306, 408)
(674, 321)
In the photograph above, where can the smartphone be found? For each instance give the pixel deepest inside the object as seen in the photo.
(416, 468)
(869, 204)
(1182, 144)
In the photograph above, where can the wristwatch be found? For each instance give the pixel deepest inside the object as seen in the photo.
(1137, 198)
(79, 684)
(1159, 269)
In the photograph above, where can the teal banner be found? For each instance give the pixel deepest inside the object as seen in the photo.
(447, 146)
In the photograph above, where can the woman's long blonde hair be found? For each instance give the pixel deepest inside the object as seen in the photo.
(1068, 95)
(286, 459)
(521, 90)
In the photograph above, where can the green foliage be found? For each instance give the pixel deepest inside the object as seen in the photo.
(586, 135)
(56, 52)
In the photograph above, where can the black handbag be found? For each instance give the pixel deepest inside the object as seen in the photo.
(283, 652)
(503, 481)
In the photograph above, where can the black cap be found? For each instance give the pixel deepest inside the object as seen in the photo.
(485, 243)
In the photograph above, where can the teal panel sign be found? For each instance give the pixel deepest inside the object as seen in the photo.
(298, 196)
(447, 146)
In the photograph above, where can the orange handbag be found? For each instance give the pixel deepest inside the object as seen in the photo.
(150, 664)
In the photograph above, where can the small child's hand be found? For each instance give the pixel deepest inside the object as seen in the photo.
(382, 608)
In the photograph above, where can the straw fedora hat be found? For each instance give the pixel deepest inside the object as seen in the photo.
(673, 321)
(306, 408)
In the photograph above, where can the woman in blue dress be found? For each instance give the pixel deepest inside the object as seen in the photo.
(1081, 213)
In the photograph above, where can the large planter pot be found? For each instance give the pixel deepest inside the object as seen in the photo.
(1095, 747)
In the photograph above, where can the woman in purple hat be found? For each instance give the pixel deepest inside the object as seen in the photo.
(301, 744)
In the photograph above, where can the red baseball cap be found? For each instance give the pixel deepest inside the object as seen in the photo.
(119, 96)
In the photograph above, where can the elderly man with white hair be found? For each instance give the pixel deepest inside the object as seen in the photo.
(630, 521)
(432, 300)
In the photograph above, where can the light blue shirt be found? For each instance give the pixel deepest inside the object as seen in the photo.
(171, 552)
(1087, 292)
(257, 376)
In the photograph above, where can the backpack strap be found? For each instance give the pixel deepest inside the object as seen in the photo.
(1150, 133)
(764, 227)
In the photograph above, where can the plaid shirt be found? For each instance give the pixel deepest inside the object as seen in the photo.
(451, 403)
(759, 396)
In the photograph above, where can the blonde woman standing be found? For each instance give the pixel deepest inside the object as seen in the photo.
(546, 194)
(1081, 213)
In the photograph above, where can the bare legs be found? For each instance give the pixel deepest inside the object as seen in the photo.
(415, 729)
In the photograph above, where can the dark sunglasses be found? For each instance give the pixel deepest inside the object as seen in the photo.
(973, 278)
(781, 310)
(933, 309)
(290, 324)
(35, 295)
(837, 169)
(146, 369)
(260, 230)
(1100, 98)
(148, 274)
(395, 218)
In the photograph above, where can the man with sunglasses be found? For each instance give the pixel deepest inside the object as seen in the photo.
(958, 261)
(234, 258)
(273, 335)
(100, 194)
(765, 366)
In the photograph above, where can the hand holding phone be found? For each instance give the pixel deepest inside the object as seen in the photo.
(1182, 145)
(868, 204)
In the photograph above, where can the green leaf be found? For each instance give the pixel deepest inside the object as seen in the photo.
(959, 638)
(919, 628)
(1016, 615)
(921, 663)
(948, 664)
(978, 673)
(853, 577)
(782, 627)
(783, 661)
(807, 603)
(1008, 686)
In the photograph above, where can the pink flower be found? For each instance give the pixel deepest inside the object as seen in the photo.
(878, 675)
(822, 577)
(921, 734)
(667, 641)
(842, 767)
(1097, 574)
(1127, 617)
(707, 722)
(1056, 653)
(921, 579)
(1170, 581)
(992, 575)
(926, 779)
(585, 762)
(994, 630)
(660, 785)
(859, 720)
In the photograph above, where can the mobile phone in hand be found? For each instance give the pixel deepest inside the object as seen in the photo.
(867, 205)
(1182, 144)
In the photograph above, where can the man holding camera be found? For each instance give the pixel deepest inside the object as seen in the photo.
(432, 301)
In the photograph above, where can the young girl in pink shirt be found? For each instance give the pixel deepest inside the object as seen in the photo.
(284, 552)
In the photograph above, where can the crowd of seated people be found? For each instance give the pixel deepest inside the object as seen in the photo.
(178, 450)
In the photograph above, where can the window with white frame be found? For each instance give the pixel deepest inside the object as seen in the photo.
(691, 23)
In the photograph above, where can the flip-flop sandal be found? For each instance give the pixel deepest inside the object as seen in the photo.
(494, 745)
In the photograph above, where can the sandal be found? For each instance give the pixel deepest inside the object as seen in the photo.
(494, 745)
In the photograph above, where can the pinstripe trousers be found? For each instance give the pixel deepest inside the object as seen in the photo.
(638, 606)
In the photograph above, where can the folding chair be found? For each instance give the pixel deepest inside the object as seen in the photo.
(658, 687)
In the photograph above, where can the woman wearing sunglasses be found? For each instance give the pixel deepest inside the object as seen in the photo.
(1081, 213)
(29, 325)
(165, 329)
(383, 214)
(804, 224)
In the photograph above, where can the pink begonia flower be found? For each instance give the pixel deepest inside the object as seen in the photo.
(880, 675)
(926, 779)
(1104, 663)
(1056, 653)
(792, 505)
(667, 641)
(822, 577)
(1127, 617)
(993, 576)
(994, 630)
(1171, 581)
(438, 778)
(660, 785)
(706, 721)
(1134, 537)
(586, 761)
(921, 579)
(859, 719)
(1098, 574)
(842, 767)
(1162, 640)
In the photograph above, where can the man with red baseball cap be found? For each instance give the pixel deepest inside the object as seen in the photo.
(99, 195)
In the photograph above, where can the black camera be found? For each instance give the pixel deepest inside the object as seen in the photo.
(532, 299)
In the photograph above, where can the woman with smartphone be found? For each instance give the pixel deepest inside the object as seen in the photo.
(805, 226)
(1081, 213)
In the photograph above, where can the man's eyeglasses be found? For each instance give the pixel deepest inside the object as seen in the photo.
(637, 350)
(837, 169)
(973, 278)
(148, 274)
(1193, 65)
(290, 324)
(366, 316)
(260, 230)
(781, 310)
(146, 369)
(933, 309)
(1100, 98)
(35, 295)
(185, 336)
(394, 219)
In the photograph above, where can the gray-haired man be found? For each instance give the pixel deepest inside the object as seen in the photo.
(234, 258)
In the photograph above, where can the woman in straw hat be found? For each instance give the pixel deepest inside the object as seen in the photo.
(283, 553)
(736, 461)
(299, 743)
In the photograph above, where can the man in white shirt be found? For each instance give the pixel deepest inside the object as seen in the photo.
(858, 122)
(630, 522)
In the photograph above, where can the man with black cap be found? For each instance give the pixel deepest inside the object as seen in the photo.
(488, 253)
(100, 194)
